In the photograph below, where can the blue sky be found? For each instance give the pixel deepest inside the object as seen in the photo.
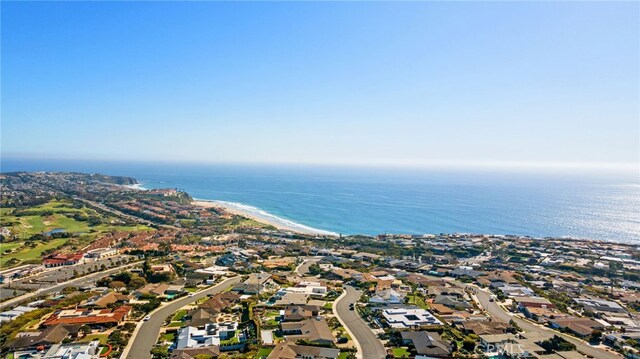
(352, 83)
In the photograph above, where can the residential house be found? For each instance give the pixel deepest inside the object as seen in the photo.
(315, 330)
(428, 343)
(194, 353)
(387, 296)
(89, 350)
(103, 301)
(288, 350)
(211, 334)
(46, 338)
(90, 317)
(297, 313)
(404, 318)
(581, 327)
(600, 306)
(255, 284)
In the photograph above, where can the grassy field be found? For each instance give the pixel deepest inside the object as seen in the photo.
(9, 246)
(90, 337)
(46, 217)
(169, 337)
(417, 300)
(58, 214)
(179, 315)
(263, 353)
(401, 353)
(25, 253)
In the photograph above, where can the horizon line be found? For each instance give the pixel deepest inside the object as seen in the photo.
(379, 163)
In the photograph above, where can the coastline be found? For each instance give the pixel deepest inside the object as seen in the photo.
(261, 216)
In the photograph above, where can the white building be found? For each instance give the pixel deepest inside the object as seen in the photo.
(401, 318)
(211, 334)
(74, 351)
(10, 315)
(100, 253)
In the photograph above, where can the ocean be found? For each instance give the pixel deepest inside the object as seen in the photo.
(361, 200)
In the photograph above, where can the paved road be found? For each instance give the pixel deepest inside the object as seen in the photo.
(78, 282)
(496, 311)
(146, 335)
(368, 344)
(303, 268)
(124, 215)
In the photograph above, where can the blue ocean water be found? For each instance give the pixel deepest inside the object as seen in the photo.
(374, 201)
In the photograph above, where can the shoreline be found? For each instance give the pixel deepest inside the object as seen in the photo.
(261, 216)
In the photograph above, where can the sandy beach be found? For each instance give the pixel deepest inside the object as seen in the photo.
(260, 216)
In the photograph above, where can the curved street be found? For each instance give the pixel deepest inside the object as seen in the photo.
(368, 344)
(497, 312)
(146, 335)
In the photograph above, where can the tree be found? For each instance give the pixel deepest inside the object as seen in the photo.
(596, 336)
(129, 327)
(203, 356)
(557, 343)
(68, 290)
(122, 277)
(116, 338)
(85, 329)
(117, 284)
(160, 352)
(136, 282)
(314, 269)
(468, 344)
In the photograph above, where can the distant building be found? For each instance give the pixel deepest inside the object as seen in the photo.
(600, 306)
(59, 260)
(100, 253)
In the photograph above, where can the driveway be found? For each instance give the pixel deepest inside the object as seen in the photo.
(368, 344)
(303, 268)
(146, 335)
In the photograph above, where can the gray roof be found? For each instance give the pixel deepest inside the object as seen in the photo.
(428, 343)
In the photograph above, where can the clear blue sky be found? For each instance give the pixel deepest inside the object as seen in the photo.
(366, 83)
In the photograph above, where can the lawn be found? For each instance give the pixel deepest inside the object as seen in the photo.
(27, 253)
(179, 315)
(5, 211)
(233, 340)
(175, 324)
(168, 337)
(59, 215)
(191, 290)
(263, 353)
(417, 300)
(90, 337)
(401, 353)
(34, 222)
(10, 245)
